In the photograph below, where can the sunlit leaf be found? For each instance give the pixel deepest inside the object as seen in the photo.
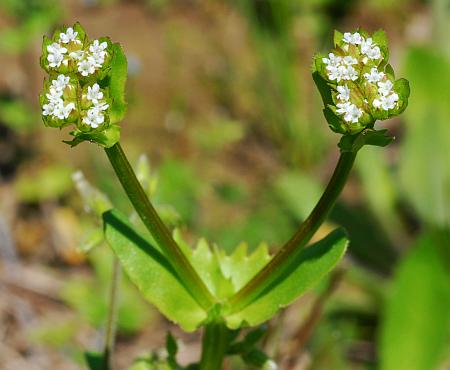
(416, 325)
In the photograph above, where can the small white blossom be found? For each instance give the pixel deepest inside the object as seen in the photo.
(350, 74)
(54, 95)
(374, 76)
(62, 111)
(344, 93)
(350, 111)
(366, 45)
(349, 60)
(354, 39)
(94, 94)
(48, 109)
(97, 47)
(69, 36)
(374, 53)
(86, 66)
(102, 106)
(94, 118)
(55, 54)
(385, 88)
(60, 83)
(270, 365)
(77, 55)
(386, 102)
(332, 60)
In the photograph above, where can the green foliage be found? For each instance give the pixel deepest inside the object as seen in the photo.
(17, 115)
(416, 325)
(311, 265)
(424, 172)
(47, 183)
(88, 297)
(116, 84)
(149, 269)
(223, 275)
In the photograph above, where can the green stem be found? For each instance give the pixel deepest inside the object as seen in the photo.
(155, 225)
(110, 333)
(281, 261)
(215, 342)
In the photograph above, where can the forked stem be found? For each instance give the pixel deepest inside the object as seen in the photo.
(281, 261)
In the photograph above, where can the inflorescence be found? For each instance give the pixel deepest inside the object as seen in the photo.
(76, 66)
(362, 85)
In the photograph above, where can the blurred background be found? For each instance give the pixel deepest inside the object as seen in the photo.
(222, 103)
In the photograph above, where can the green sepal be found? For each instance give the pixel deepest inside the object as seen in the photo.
(117, 83)
(335, 123)
(106, 137)
(401, 87)
(352, 143)
(337, 38)
(380, 40)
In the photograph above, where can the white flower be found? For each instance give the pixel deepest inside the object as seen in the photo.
(349, 60)
(344, 93)
(334, 73)
(101, 106)
(385, 88)
(69, 36)
(270, 365)
(62, 111)
(94, 118)
(55, 54)
(54, 95)
(366, 45)
(350, 111)
(48, 109)
(97, 47)
(386, 102)
(56, 48)
(60, 83)
(350, 74)
(354, 39)
(86, 66)
(77, 55)
(94, 94)
(374, 76)
(374, 53)
(332, 60)
(98, 59)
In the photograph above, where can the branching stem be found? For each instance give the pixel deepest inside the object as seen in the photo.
(281, 261)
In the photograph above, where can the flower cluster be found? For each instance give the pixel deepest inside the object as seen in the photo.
(95, 114)
(360, 81)
(69, 51)
(55, 105)
(77, 89)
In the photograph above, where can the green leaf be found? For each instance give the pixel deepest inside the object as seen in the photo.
(117, 84)
(415, 330)
(151, 272)
(424, 166)
(308, 268)
(353, 143)
(106, 138)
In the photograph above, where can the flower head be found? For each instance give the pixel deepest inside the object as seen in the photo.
(361, 87)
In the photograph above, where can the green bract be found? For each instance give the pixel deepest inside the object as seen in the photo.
(357, 84)
(85, 86)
